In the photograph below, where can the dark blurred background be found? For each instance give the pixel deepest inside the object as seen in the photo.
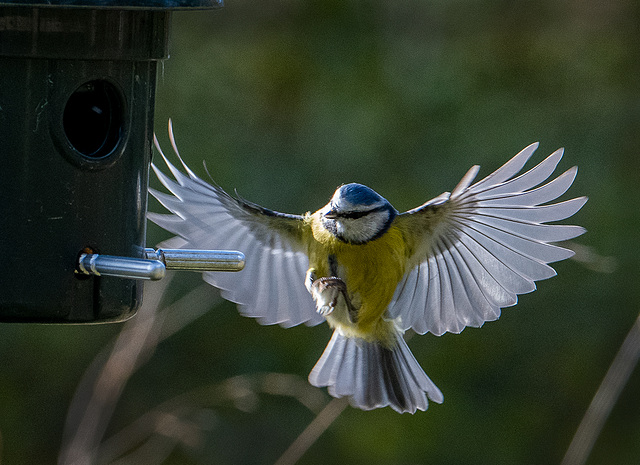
(285, 100)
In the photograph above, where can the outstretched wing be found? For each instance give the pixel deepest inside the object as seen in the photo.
(474, 250)
(271, 285)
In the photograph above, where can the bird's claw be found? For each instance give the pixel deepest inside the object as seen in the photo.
(328, 288)
(326, 310)
(331, 282)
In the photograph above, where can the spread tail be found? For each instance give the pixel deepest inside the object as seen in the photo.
(374, 376)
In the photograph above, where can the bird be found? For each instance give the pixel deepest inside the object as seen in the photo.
(373, 273)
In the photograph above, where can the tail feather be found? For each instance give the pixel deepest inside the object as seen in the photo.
(374, 376)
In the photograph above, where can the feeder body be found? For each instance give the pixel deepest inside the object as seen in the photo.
(77, 88)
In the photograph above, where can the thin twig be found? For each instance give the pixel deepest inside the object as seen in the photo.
(175, 417)
(312, 432)
(605, 398)
(94, 402)
(100, 389)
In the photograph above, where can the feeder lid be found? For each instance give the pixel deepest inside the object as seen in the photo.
(120, 4)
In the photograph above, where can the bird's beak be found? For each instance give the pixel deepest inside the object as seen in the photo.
(331, 214)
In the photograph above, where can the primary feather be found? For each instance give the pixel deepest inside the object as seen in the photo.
(453, 262)
(271, 286)
(487, 244)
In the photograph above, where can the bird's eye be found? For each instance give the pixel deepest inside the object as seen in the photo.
(354, 215)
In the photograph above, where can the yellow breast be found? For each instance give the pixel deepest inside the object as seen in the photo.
(371, 272)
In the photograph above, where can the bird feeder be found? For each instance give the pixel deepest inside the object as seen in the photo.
(77, 90)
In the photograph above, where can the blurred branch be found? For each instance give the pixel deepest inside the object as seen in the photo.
(180, 420)
(312, 432)
(183, 419)
(99, 391)
(605, 398)
(94, 402)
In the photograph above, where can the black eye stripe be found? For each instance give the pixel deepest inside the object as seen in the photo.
(359, 214)
(352, 215)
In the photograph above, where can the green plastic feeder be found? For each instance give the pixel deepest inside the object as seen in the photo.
(77, 89)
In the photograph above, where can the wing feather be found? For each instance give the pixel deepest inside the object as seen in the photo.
(494, 279)
(271, 286)
(506, 171)
(477, 301)
(533, 177)
(546, 193)
(466, 313)
(447, 304)
(472, 252)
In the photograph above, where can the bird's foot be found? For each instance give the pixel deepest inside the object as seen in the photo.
(326, 291)
(331, 282)
(325, 310)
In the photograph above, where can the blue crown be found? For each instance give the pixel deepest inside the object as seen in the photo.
(358, 194)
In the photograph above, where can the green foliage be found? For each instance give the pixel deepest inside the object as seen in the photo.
(285, 100)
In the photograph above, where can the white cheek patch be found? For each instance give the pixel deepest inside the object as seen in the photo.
(362, 229)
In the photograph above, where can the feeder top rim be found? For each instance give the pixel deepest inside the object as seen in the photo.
(119, 4)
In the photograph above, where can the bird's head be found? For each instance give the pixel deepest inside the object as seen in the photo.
(357, 214)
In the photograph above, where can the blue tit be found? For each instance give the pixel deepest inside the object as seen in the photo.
(372, 273)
